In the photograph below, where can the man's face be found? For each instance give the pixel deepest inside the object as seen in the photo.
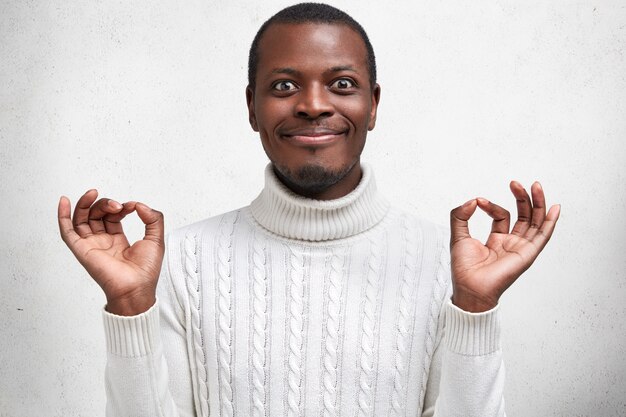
(313, 104)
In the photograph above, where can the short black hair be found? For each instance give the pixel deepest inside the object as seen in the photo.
(310, 13)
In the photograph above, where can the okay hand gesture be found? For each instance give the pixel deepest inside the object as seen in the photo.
(127, 274)
(482, 272)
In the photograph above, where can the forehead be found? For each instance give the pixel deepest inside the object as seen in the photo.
(304, 44)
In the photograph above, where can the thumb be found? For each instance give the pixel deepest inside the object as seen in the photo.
(153, 220)
(66, 228)
(459, 217)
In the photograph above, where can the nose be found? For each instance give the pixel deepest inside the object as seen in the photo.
(314, 102)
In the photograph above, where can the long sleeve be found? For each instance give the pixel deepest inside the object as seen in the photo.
(148, 372)
(467, 371)
(252, 322)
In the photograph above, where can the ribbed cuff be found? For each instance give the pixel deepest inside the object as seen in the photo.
(472, 334)
(132, 336)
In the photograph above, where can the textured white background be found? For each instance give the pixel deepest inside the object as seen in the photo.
(145, 100)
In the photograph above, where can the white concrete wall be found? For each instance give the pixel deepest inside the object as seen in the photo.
(145, 100)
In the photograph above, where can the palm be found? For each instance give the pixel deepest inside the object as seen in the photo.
(482, 272)
(126, 266)
(96, 238)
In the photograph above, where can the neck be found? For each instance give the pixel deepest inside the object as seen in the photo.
(337, 190)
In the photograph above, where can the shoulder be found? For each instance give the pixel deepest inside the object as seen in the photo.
(414, 227)
(431, 243)
(203, 228)
(184, 243)
(184, 246)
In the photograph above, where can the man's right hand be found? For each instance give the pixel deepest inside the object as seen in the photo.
(127, 274)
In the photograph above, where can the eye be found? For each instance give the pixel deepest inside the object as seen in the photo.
(343, 84)
(284, 86)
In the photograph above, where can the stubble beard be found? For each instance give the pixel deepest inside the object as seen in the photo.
(311, 179)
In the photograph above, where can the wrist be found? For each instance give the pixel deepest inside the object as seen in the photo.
(472, 303)
(130, 306)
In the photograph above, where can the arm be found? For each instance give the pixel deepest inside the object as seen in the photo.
(142, 335)
(467, 373)
(147, 372)
(136, 377)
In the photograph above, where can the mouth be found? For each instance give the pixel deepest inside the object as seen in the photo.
(314, 136)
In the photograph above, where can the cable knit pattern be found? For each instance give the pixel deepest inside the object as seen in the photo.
(439, 291)
(258, 322)
(224, 304)
(294, 307)
(193, 289)
(332, 330)
(404, 321)
(288, 214)
(369, 331)
(295, 331)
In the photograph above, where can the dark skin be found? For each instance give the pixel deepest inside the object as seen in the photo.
(311, 111)
(312, 106)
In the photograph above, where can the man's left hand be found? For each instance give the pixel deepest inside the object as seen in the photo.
(482, 272)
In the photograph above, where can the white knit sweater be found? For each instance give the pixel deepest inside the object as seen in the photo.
(297, 307)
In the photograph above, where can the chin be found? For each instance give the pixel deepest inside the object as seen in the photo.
(311, 178)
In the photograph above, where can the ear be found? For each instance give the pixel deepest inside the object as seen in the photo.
(375, 100)
(251, 113)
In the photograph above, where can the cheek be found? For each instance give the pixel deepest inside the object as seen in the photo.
(357, 111)
(269, 116)
(272, 112)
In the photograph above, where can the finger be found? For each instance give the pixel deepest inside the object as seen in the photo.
(524, 208)
(459, 228)
(81, 213)
(66, 228)
(113, 222)
(100, 209)
(501, 217)
(154, 223)
(544, 233)
(539, 209)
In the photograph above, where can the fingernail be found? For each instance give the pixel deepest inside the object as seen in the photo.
(483, 200)
(467, 203)
(115, 204)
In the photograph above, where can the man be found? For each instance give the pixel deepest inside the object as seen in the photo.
(318, 298)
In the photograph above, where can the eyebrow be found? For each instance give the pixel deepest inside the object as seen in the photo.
(292, 71)
(342, 68)
(285, 70)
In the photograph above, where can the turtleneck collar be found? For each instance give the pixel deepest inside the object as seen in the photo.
(285, 213)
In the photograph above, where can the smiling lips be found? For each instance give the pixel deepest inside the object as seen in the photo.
(314, 136)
